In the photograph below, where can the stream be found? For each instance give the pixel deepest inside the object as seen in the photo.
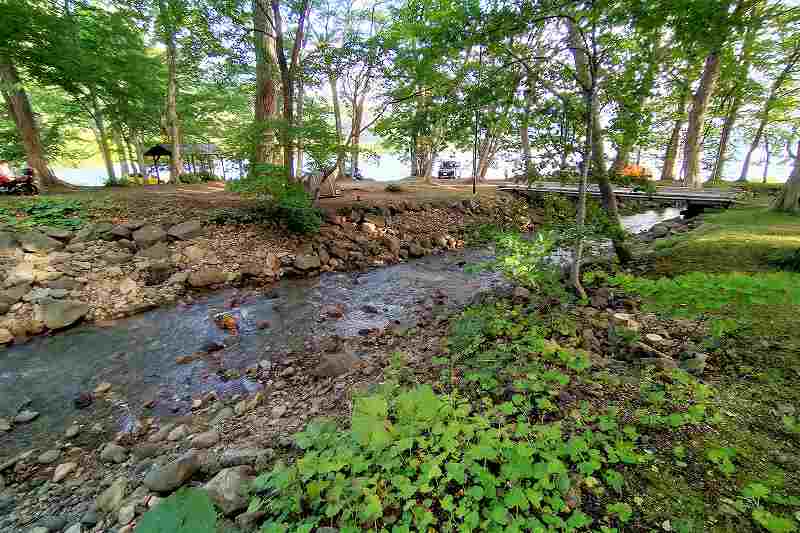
(137, 355)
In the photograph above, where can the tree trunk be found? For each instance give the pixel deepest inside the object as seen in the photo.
(137, 142)
(765, 110)
(355, 132)
(766, 160)
(176, 159)
(527, 157)
(789, 198)
(671, 155)
(697, 115)
(19, 107)
(102, 137)
(266, 81)
(298, 124)
(337, 117)
(121, 155)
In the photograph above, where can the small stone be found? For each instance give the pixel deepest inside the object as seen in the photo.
(146, 450)
(63, 470)
(6, 336)
(204, 440)
(74, 528)
(83, 400)
(307, 262)
(5, 424)
(207, 276)
(113, 453)
(186, 230)
(179, 433)
(48, 457)
(278, 411)
(229, 489)
(126, 514)
(111, 499)
(662, 363)
(102, 388)
(370, 309)
(172, 475)
(224, 414)
(148, 235)
(55, 524)
(521, 294)
(25, 416)
(654, 338)
(161, 434)
(72, 431)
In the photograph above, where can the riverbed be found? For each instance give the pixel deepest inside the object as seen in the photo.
(138, 355)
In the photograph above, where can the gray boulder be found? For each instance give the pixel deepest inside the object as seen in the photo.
(332, 365)
(229, 489)
(57, 233)
(8, 242)
(157, 251)
(113, 453)
(186, 230)
(14, 294)
(121, 232)
(307, 262)
(58, 314)
(37, 242)
(148, 235)
(172, 475)
(111, 499)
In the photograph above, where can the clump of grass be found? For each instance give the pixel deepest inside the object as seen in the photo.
(395, 188)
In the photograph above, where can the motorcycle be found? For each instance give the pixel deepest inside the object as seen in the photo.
(23, 185)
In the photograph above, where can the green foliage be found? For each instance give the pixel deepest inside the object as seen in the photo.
(186, 511)
(789, 260)
(417, 460)
(279, 198)
(198, 177)
(43, 211)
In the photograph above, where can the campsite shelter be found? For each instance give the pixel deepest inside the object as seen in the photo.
(194, 155)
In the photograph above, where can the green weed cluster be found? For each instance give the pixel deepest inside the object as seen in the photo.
(54, 212)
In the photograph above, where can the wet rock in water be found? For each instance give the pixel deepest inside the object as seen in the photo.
(333, 365)
(63, 470)
(54, 524)
(111, 499)
(37, 242)
(204, 440)
(186, 230)
(229, 489)
(332, 311)
(90, 518)
(48, 457)
(169, 477)
(212, 345)
(72, 431)
(262, 324)
(207, 276)
(83, 400)
(113, 453)
(102, 388)
(415, 250)
(179, 433)
(5, 336)
(148, 235)
(307, 262)
(58, 314)
(370, 309)
(5, 424)
(25, 416)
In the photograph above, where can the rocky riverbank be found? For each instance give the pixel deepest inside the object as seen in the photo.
(93, 479)
(53, 278)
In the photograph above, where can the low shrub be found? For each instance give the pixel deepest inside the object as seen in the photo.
(786, 260)
(198, 177)
(43, 211)
(395, 187)
(280, 199)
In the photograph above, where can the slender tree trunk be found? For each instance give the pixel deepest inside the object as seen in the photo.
(791, 64)
(671, 155)
(355, 135)
(590, 98)
(766, 160)
(176, 160)
(266, 81)
(298, 123)
(137, 142)
(121, 155)
(789, 198)
(337, 117)
(524, 133)
(102, 137)
(19, 107)
(697, 116)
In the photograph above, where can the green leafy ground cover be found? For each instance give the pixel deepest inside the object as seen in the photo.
(42, 211)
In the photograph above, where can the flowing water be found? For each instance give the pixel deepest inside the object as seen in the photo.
(138, 355)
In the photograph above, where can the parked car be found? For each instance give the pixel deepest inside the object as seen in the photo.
(449, 169)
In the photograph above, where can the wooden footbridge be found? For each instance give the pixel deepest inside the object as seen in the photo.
(695, 200)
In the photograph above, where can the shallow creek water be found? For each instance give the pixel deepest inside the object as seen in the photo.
(137, 355)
